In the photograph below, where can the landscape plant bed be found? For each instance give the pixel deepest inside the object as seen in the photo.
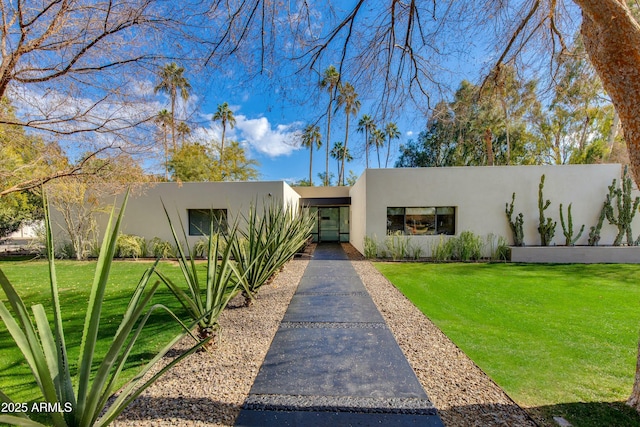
(576, 254)
(561, 340)
(31, 278)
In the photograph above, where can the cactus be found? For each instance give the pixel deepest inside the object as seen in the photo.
(517, 225)
(626, 209)
(547, 227)
(567, 229)
(594, 233)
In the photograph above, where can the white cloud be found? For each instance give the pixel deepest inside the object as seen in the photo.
(261, 136)
(257, 135)
(409, 133)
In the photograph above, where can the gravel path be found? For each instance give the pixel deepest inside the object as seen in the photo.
(209, 389)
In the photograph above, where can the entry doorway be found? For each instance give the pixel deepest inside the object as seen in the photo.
(332, 224)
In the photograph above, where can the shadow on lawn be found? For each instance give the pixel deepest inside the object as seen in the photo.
(590, 414)
(184, 408)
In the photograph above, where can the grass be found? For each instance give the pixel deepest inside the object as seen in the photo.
(559, 339)
(31, 279)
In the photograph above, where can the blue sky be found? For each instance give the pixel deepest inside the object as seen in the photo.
(270, 107)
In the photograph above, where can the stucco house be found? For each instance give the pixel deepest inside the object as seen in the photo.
(421, 203)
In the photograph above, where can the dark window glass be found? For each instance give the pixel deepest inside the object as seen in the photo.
(446, 221)
(395, 220)
(421, 221)
(200, 221)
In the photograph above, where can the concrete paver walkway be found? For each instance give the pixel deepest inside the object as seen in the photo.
(333, 361)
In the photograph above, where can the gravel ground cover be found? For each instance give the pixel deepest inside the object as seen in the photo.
(209, 389)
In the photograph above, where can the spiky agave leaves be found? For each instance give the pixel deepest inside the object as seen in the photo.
(268, 241)
(205, 300)
(45, 349)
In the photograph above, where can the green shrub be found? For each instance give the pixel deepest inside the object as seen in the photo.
(370, 247)
(499, 248)
(443, 250)
(465, 247)
(397, 245)
(414, 251)
(65, 251)
(130, 246)
(161, 248)
(468, 247)
(200, 248)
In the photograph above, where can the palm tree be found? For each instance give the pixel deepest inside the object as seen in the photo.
(163, 119)
(377, 139)
(172, 80)
(311, 139)
(340, 153)
(225, 115)
(329, 82)
(348, 99)
(366, 125)
(392, 132)
(183, 130)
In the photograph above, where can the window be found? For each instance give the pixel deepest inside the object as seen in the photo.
(200, 221)
(422, 221)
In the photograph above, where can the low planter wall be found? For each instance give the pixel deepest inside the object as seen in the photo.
(576, 254)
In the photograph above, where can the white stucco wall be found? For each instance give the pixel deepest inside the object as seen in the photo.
(145, 216)
(479, 195)
(358, 212)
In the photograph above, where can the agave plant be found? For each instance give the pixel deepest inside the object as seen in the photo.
(268, 242)
(45, 350)
(205, 301)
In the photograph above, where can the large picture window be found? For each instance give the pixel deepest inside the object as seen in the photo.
(422, 221)
(200, 221)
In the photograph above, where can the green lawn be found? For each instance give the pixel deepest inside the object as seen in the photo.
(31, 279)
(561, 339)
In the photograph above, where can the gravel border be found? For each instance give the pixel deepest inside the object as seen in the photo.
(210, 389)
(463, 394)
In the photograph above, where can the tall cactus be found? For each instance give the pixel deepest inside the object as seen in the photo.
(567, 229)
(594, 233)
(517, 224)
(547, 227)
(626, 209)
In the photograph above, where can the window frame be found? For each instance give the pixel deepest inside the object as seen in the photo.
(394, 212)
(220, 224)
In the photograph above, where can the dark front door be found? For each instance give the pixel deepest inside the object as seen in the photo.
(329, 224)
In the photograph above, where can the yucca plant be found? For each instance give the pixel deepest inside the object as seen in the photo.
(205, 300)
(45, 351)
(268, 242)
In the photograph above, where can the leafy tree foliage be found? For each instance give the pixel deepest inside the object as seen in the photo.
(22, 157)
(195, 162)
(80, 198)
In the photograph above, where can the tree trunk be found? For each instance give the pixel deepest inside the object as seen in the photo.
(366, 146)
(488, 141)
(634, 399)
(311, 165)
(326, 174)
(612, 40)
(344, 152)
